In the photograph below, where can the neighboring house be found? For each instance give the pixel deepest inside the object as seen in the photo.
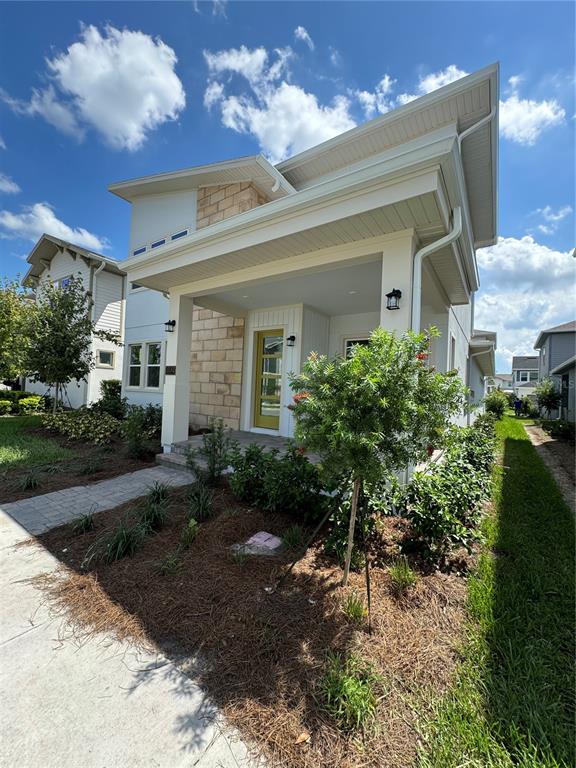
(264, 264)
(524, 375)
(481, 363)
(502, 381)
(57, 260)
(557, 347)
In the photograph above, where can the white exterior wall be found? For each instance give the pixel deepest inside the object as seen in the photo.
(459, 326)
(344, 327)
(146, 313)
(315, 332)
(476, 384)
(157, 216)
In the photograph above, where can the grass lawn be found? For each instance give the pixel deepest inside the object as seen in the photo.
(513, 701)
(20, 448)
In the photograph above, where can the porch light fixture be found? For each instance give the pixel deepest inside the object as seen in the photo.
(393, 299)
(169, 326)
(290, 340)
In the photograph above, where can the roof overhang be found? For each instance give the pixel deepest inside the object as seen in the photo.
(48, 246)
(254, 169)
(464, 103)
(359, 204)
(543, 335)
(482, 347)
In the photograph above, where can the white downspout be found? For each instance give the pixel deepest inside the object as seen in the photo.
(419, 257)
(95, 274)
(475, 127)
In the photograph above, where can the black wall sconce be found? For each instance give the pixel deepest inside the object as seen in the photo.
(169, 326)
(290, 340)
(393, 299)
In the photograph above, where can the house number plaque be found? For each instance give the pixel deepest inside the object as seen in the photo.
(170, 370)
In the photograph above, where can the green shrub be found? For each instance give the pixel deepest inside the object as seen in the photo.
(153, 515)
(111, 400)
(189, 533)
(559, 428)
(5, 407)
(137, 433)
(443, 502)
(347, 692)
(402, 577)
(158, 492)
(287, 483)
(354, 609)
(496, 403)
(547, 396)
(123, 541)
(98, 428)
(200, 501)
(215, 453)
(32, 404)
(91, 466)
(294, 537)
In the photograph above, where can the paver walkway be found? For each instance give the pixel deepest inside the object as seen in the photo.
(39, 513)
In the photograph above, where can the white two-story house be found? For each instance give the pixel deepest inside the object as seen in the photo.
(262, 264)
(525, 376)
(103, 278)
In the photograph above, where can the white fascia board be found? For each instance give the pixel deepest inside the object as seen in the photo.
(468, 239)
(404, 163)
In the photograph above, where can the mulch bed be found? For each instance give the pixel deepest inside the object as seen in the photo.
(260, 654)
(111, 460)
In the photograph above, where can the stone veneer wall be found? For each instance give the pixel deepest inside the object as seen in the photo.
(215, 368)
(220, 202)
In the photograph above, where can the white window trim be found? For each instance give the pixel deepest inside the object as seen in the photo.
(355, 338)
(106, 365)
(143, 367)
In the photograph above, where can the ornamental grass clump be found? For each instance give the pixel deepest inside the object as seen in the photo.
(200, 501)
(347, 692)
(354, 609)
(402, 577)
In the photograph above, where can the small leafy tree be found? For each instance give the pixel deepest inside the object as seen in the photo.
(547, 396)
(496, 402)
(374, 413)
(60, 335)
(16, 308)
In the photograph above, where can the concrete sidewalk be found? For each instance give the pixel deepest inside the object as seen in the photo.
(101, 705)
(40, 513)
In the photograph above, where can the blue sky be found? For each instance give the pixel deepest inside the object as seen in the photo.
(93, 93)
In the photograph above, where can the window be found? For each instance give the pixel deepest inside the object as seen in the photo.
(533, 375)
(350, 343)
(104, 358)
(153, 355)
(63, 281)
(136, 287)
(135, 365)
(144, 363)
(521, 375)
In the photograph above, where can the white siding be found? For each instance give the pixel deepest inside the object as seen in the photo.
(156, 216)
(315, 332)
(146, 313)
(289, 319)
(459, 324)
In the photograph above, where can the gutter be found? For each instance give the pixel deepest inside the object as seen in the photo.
(419, 257)
(469, 368)
(95, 273)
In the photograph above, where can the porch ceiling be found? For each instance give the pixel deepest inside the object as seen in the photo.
(345, 290)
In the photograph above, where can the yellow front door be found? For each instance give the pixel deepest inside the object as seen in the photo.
(267, 378)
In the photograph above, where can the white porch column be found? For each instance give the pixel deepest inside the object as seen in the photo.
(397, 264)
(176, 405)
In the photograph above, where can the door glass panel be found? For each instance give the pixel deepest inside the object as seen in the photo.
(268, 379)
(272, 345)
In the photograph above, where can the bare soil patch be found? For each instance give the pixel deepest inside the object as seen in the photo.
(560, 458)
(260, 655)
(90, 464)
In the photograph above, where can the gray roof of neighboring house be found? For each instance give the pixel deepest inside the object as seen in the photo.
(525, 362)
(569, 327)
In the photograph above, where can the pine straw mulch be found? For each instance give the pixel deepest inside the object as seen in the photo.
(262, 654)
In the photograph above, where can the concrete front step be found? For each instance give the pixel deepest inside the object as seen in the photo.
(174, 460)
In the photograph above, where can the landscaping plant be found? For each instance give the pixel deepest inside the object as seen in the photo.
(111, 400)
(30, 481)
(496, 402)
(170, 565)
(402, 577)
(84, 523)
(347, 692)
(189, 533)
(201, 501)
(354, 609)
(5, 407)
(375, 412)
(16, 310)
(547, 396)
(83, 424)
(215, 452)
(153, 514)
(294, 537)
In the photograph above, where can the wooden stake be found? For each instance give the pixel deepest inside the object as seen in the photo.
(355, 494)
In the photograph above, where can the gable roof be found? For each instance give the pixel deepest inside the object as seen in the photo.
(254, 168)
(525, 362)
(565, 366)
(569, 327)
(462, 103)
(48, 246)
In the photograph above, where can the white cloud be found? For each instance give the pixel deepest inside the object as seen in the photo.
(301, 33)
(525, 287)
(284, 118)
(433, 81)
(2, 143)
(524, 120)
(552, 218)
(218, 7)
(335, 57)
(121, 83)
(377, 100)
(39, 219)
(7, 185)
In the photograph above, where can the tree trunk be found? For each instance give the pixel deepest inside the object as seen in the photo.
(353, 508)
(55, 403)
